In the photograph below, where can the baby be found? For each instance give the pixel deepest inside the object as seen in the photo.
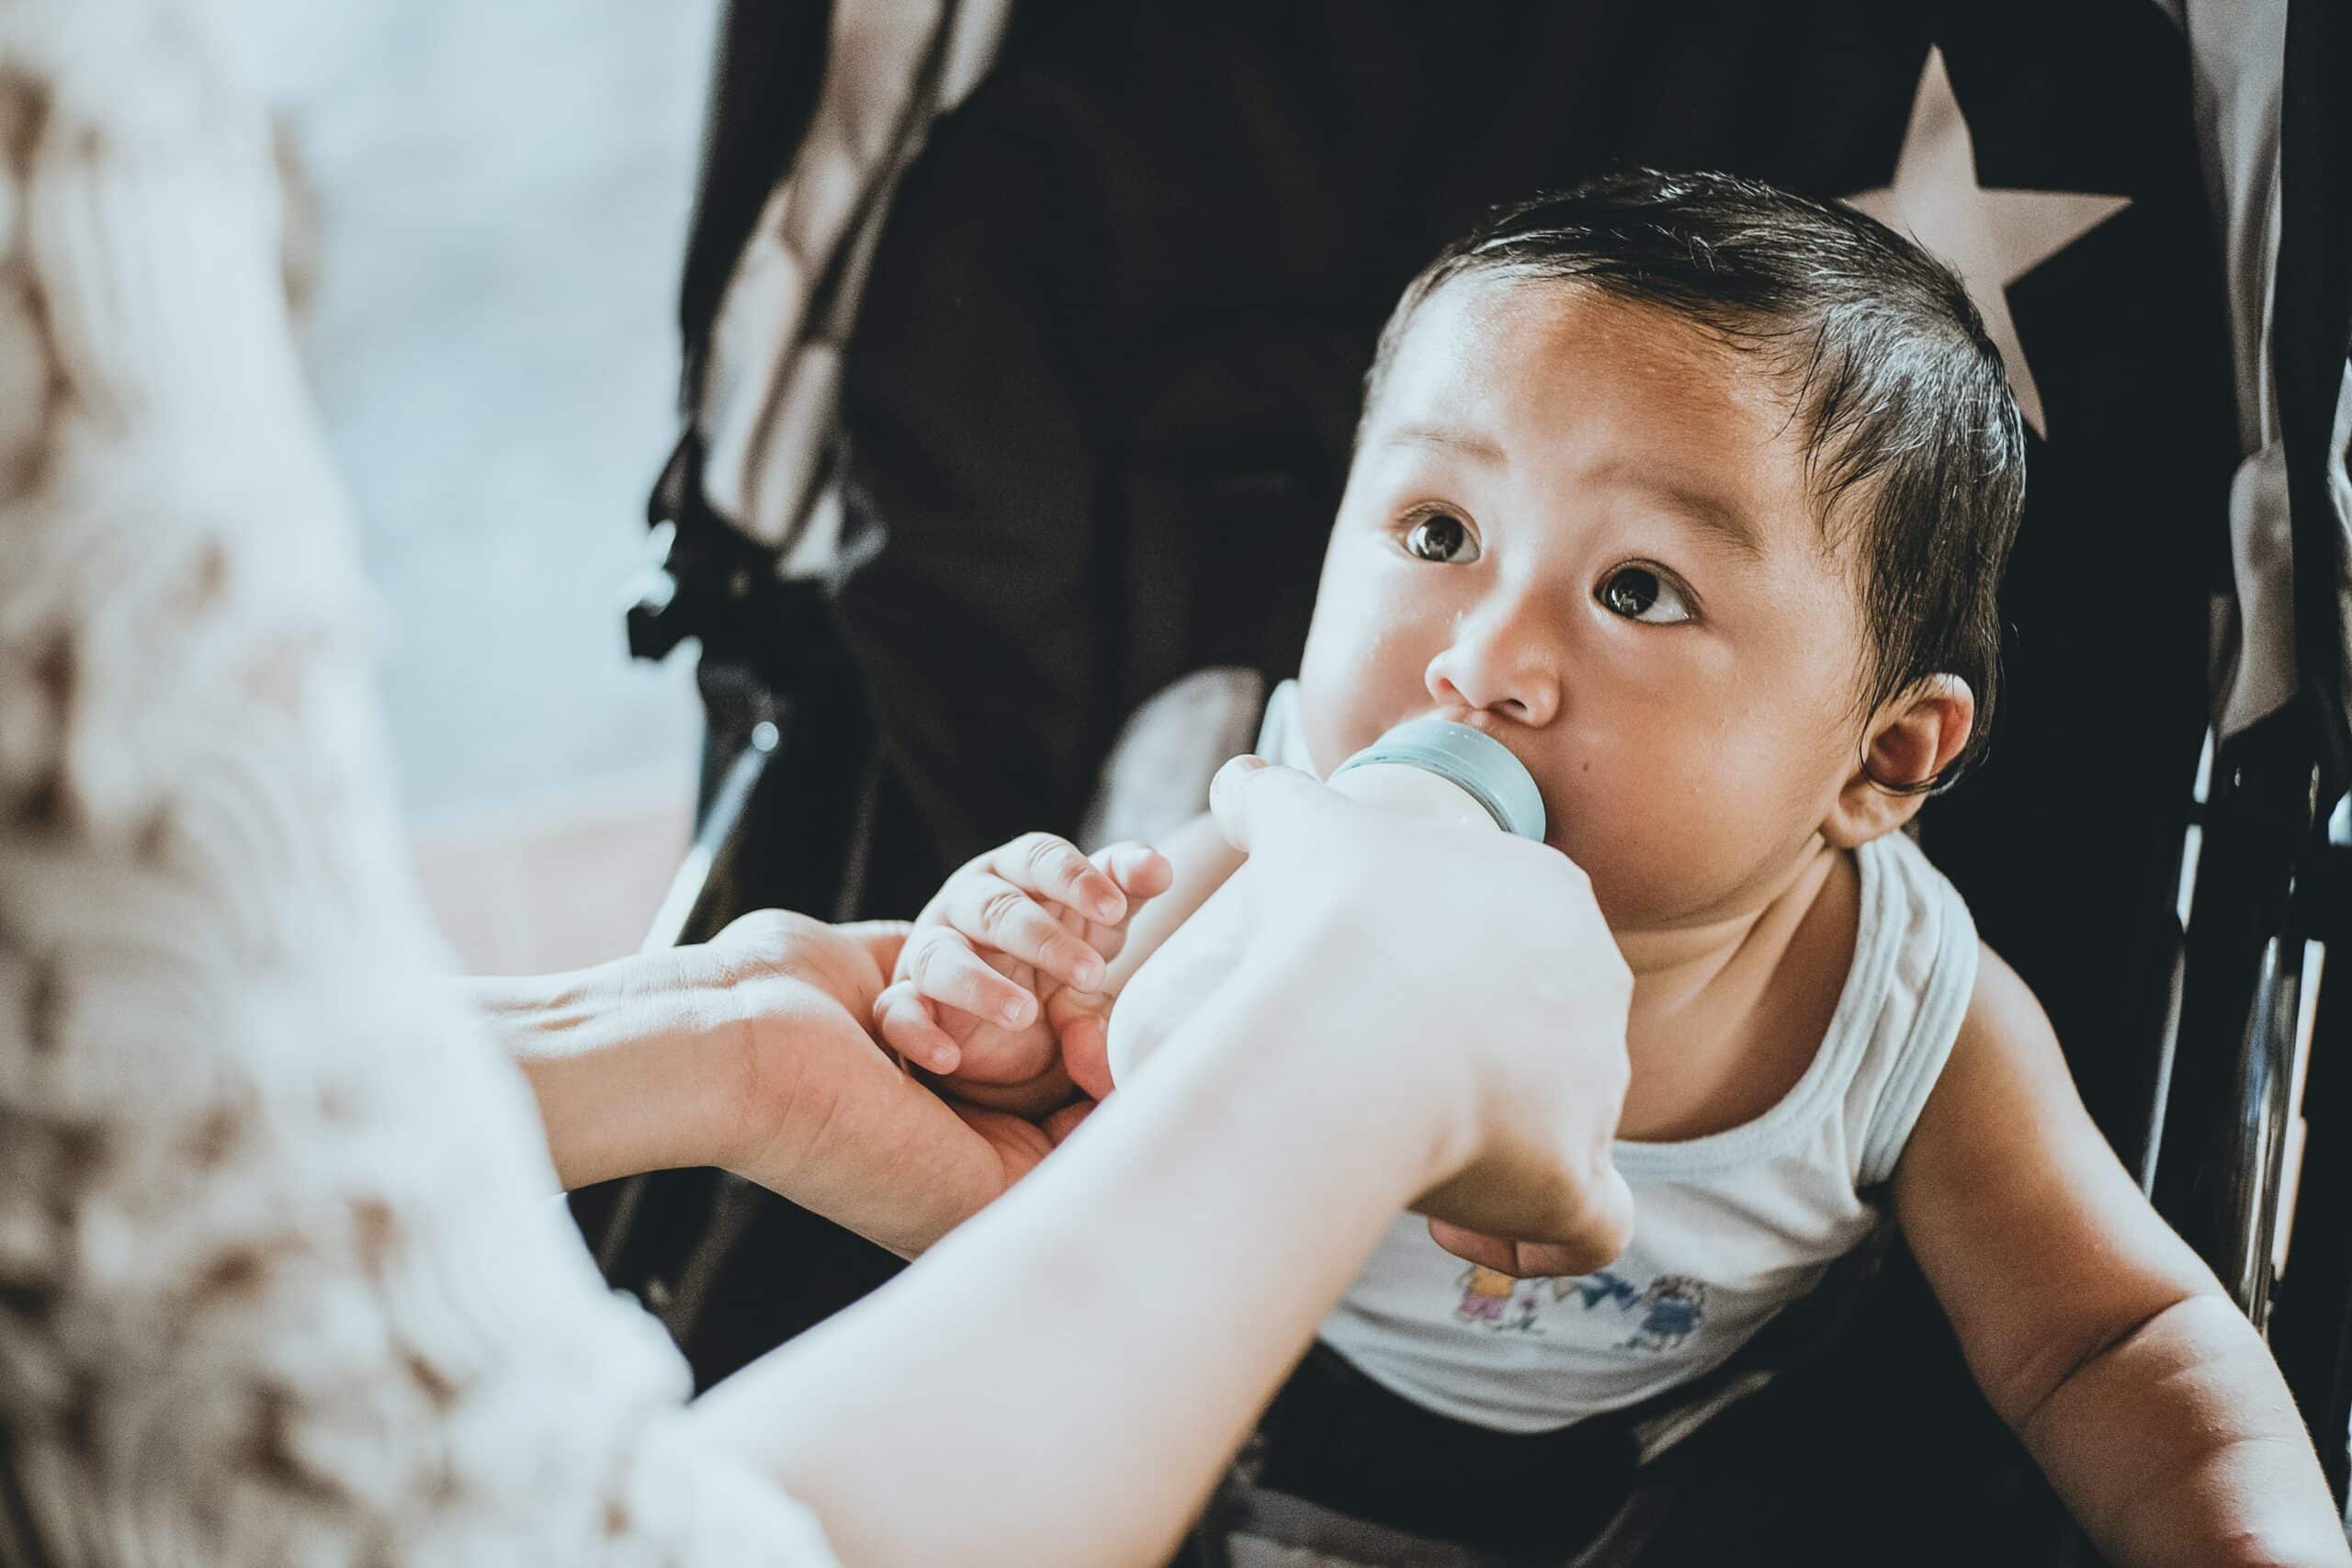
(1696, 495)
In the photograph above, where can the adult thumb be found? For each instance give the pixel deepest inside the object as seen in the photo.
(1252, 798)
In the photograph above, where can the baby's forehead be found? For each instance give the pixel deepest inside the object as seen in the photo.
(1543, 374)
(1473, 328)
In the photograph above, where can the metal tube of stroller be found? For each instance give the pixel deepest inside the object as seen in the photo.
(687, 900)
(2192, 847)
(2265, 1071)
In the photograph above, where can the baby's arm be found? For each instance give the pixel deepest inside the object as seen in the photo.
(2146, 1397)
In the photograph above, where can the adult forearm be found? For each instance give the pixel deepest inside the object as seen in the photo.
(626, 1071)
(2181, 1444)
(1060, 1380)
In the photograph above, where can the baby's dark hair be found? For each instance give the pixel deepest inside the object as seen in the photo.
(1904, 405)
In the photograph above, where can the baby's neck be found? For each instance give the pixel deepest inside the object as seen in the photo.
(1674, 963)
(1729, 1010)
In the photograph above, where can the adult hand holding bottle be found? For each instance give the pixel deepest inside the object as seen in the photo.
(1419, 867)
(1340, 900)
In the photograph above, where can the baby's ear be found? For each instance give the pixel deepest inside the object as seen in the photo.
(1912, 739)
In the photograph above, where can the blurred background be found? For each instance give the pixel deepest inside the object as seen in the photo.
(502, 194)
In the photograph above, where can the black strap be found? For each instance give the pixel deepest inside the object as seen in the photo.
(1338, 1439)
(2310, 336)
(768, 70)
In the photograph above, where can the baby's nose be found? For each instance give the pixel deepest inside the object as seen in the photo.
(1496, 676)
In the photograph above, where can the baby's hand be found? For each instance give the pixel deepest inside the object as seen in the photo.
(1006, 970)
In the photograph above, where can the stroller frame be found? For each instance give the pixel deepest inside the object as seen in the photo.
(2253, 1042)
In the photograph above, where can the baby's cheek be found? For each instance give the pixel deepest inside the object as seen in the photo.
(1654, 845)
(1348, 698)
(1315, 743)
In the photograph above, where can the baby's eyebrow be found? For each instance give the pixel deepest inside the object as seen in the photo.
(1463, 441)
(1704, 511)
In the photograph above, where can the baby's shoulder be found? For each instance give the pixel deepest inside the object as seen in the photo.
(2003, 1014)
(2005, 1070)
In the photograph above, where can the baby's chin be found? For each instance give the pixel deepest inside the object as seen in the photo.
(1636, 887)
(1642, 895)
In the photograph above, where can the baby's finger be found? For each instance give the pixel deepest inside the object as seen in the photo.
(1080, 1021)
(940, 964)
(987, 909)
(1140, 871)
(1144, 874)
(905, 1022)
(1052, 868)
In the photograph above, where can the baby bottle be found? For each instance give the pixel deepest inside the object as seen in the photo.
(1448, 772)
(1430, 767)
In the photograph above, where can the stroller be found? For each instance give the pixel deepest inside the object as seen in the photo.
(1023, 349)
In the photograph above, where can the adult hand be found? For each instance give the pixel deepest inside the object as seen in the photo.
(1380, 1009)
(1521, 1053)
(826, 1117)
(751, 1052)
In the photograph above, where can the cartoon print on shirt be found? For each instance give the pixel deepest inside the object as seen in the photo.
(1676, 1304)
(1485, 1294)
(1670, 1310)
(1498, 1302)
(1596, 1289)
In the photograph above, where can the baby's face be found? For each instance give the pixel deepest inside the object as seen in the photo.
(1579, 525)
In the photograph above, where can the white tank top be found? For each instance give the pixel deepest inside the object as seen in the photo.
(1728, 1228)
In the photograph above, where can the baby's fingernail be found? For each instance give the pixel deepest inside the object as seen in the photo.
(946, 1059)
(1107, 910)
(1015, 1014)
(1088, 972)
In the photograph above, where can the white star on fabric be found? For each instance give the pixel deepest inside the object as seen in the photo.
(1991, 237)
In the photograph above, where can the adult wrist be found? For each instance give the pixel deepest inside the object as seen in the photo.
(627, 1062)
(1325, 1058)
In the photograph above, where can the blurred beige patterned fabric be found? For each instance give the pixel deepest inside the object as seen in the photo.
(279, 1281)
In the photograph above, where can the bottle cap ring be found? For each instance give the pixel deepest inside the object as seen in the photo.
(1469, 759)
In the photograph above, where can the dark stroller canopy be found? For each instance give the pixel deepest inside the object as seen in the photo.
(1092, 418)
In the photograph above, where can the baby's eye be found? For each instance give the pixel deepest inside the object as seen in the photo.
(1441, 537)
(1640, 594)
